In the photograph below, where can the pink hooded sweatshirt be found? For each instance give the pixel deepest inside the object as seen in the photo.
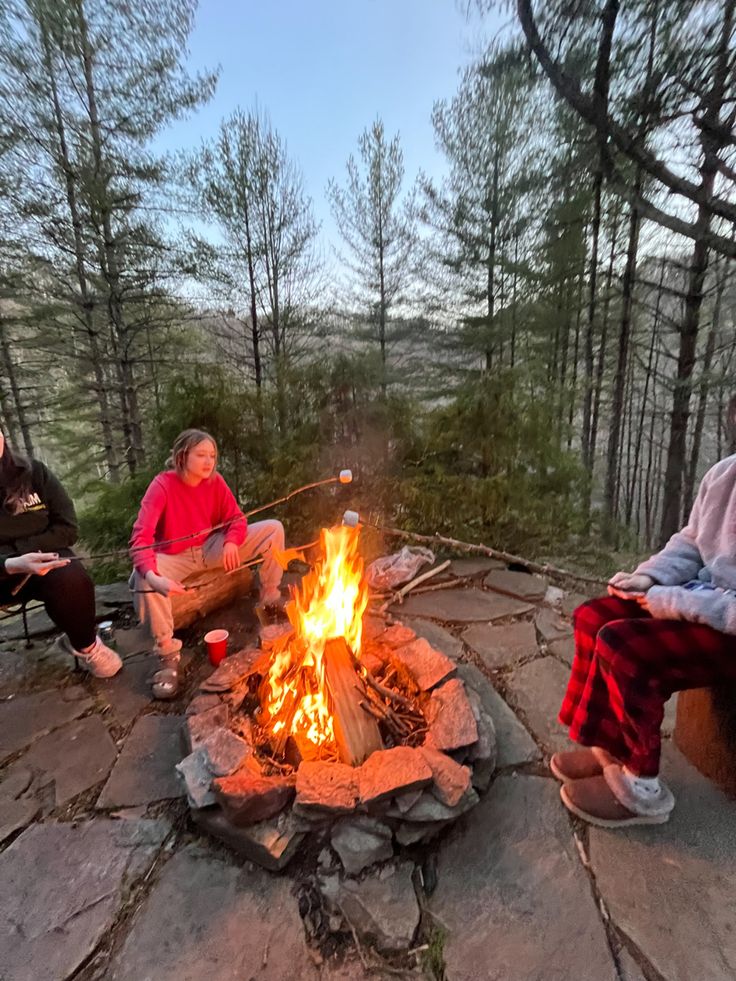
(172, 509)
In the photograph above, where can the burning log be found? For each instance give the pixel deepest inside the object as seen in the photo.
(356, 733)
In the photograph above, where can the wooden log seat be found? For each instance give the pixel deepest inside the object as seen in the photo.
(219, 590)
(705, 731)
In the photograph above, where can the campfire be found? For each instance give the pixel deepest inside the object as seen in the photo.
(318, 699)
(338, 717)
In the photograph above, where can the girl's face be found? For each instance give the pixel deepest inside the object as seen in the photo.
(2, 445)
(201, 460)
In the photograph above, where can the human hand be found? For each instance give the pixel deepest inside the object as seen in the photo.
(34, 563)
(230, 556)
(163, 585)
(629, 585)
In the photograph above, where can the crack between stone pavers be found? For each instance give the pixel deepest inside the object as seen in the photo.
(642, 961)
(613, 932)
(133, 895)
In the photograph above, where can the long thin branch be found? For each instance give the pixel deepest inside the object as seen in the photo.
(544, 569)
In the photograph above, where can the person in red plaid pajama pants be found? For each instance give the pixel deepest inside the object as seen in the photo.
(666, 627)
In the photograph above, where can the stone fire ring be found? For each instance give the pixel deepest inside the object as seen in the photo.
(397, 797)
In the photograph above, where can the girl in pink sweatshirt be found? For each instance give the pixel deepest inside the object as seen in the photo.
(188, 521)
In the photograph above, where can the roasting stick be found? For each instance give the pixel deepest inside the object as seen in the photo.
(344, 477)
(353, 518)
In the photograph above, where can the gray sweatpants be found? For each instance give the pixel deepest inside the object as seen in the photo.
(154, 609)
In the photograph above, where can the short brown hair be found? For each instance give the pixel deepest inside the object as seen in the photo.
(185, 442)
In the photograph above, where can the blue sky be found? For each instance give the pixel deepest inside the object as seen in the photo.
(324, 69)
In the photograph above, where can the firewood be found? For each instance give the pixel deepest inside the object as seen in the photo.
(356, 735)
(386, 692)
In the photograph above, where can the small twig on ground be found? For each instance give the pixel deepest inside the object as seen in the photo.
(398, 596)
(358, 945)
(442, 585)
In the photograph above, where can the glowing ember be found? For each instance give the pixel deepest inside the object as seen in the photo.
(329, 604)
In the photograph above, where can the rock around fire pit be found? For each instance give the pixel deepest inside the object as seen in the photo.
(263, 807)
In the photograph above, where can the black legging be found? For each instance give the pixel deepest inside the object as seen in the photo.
(68, 595)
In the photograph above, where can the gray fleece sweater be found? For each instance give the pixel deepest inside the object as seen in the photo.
(704, 552)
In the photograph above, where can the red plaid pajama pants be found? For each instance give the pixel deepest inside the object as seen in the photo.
(626, 666)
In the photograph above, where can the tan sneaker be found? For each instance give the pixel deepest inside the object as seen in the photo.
(169, 649)
(101, 662)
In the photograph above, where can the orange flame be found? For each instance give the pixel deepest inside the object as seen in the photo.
(330, 603)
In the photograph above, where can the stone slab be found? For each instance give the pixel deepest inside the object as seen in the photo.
(451, 780)
(427, 666)
(248, 797)
(383, 907)
(348, 970)
(514, 745)
(361, 841)
(550, 625)
(536, 689)
(52, 922)
(129, 692)
(145, 770)
(205, 918)
(563, 649)
(272, 843)
(630, 970)
(438, 637)
(520, 584)
(392, 771)
(513, 895)
(462, 606)
(133, 642)
(16, 814)
(15, 783)
(474, 566)
(504, 645)
(197, 778)
(450, 717)
(24, 718)
(76, 756)
(326, 787)
(110, 597)
(673, 892)
(571, 601)
(429, 810)
(39, 624)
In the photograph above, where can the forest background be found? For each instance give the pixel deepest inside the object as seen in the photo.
(535, 351)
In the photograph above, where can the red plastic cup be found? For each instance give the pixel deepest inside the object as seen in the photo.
(216, 643)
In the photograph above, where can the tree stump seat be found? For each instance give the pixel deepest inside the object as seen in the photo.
(219, 590)
(705, 732)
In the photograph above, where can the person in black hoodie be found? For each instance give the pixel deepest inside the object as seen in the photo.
(37, 527)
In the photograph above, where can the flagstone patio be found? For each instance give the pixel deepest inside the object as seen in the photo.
(103, 874)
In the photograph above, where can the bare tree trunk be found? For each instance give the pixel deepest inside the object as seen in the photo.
(688, 494)
(109, 263)
(617, 406)
(575, 356)
(86, 302)
(601, 363)
(587, 421)
(643, 409)
(11, 375)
